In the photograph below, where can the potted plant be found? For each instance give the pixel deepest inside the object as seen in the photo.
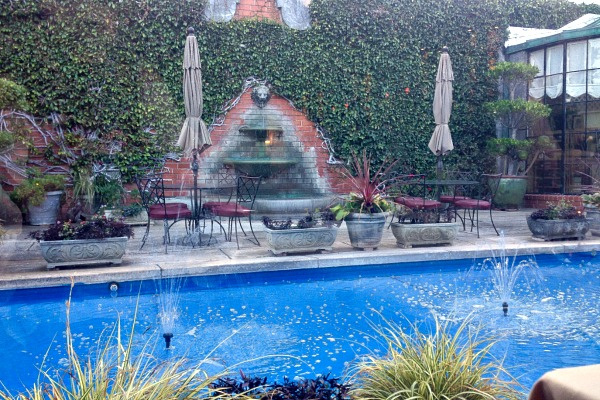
(99, 240)
(108, 195)
(591, 205)
(424, 227)
(39, 196)
(516, 153)
(316, 231)
(365, 210)
(558, 221)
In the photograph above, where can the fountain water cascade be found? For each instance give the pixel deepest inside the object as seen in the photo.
(265, 136)
(168, 304)
(505, 271)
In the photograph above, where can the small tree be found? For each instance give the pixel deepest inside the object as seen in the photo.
(517, 114)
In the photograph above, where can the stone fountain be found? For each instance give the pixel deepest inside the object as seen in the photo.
(266, 143)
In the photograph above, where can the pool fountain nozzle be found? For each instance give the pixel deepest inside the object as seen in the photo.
(505, 308)
(168, 337)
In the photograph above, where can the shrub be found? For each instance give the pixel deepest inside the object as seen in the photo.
(435, 366)
(12, 95)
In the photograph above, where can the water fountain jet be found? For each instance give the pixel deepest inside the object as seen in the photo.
(168, 300)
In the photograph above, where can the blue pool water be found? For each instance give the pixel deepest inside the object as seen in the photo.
(321, 318)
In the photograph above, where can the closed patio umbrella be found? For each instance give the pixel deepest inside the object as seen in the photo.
(441, 140)
(194, 134)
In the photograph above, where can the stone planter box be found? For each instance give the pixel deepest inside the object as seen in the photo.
(301, 240)
(559, 228)
(592, 214)
(408, 235)
(83, 252)
(365, 230)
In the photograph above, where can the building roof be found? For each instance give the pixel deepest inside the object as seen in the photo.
(527, 38)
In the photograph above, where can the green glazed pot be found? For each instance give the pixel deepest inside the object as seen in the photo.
(511, 192)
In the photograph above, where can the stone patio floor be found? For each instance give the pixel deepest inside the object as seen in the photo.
(21, 265)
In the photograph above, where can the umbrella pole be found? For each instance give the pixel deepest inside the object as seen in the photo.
(439, 167)
(195, 168)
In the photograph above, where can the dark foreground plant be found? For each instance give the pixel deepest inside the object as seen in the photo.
(321, 388)
(95, 228)
(436, 366)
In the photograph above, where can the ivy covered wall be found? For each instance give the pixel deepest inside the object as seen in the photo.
(364, 71)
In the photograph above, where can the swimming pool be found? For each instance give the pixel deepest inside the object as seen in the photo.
(319, 316)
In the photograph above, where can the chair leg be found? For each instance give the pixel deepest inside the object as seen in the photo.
(252, 230)
(236, 231)
(166, 238)
(494, 225)
(146, 234)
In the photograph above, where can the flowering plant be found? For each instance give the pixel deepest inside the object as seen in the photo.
(369, 187)
(562, 210)
(96, 228)
(32, 190)
(591, 199)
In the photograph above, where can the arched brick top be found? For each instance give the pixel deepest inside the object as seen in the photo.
(261, 9)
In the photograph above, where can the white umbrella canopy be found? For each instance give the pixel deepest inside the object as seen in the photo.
(194, 134)
(441, 140)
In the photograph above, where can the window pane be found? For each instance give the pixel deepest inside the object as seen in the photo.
(576, 117)
(594, 54)
(576, 84)
(576, 157)
(554, 60)
(554, 86)
(537, 59)
(594, 83)
(576, 56)
(536, 89)
(593, 116)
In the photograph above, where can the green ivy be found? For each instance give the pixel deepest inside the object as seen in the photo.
(364, 71)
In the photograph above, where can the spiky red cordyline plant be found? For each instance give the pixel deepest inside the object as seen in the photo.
(369, 188)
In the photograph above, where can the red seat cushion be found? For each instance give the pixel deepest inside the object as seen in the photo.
(448, 198)
(473, 204)
(209, 205)
(418, 203)
(169, 211)
(231, 210)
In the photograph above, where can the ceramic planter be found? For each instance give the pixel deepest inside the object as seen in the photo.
(83, 252)
(558, 228)
(408, 235)
(592, 214)
(283, 241)
(365, 230)
(511, 191)
(47, 212)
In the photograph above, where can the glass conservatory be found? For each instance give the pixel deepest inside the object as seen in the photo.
(569, 82)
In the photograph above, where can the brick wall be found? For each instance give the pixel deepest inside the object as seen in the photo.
(542, 200)
(261, 9)
(296, 139)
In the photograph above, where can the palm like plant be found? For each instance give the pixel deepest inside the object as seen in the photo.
(368, 195)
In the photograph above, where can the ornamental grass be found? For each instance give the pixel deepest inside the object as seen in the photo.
(446, 364)
(116, 373)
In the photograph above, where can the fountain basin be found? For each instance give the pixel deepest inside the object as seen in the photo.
(290, 206)
(264, 167)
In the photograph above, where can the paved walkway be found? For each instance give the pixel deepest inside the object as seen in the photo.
(22, 266)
